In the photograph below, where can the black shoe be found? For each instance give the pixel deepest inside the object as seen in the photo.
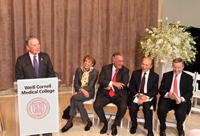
(104, 129)
(133, 130)
(150, 133)
(181, 133)
(66, 128)
(162, 133)
(47, 134)
(113, 129)
(87, 127)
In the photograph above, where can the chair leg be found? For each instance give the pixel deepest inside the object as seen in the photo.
(109, 124)
(93, 119)
(158, 123)
(153, 121)
(98, 120)
(121, 124)
(129, 119)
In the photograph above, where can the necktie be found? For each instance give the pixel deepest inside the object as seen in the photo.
(142, 84)
(175, 85)
(35, 64)
(112, 92)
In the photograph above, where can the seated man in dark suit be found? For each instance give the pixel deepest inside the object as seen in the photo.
(113, 82)
(176, 92)
(34, 64)
(143, 89)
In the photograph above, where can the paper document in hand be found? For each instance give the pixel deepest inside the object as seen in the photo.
(136, 100)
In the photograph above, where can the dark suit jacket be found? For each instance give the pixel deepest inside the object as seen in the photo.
(25, 70)
(93, 75)
(152, 85)
(185, 86)
(105, 78)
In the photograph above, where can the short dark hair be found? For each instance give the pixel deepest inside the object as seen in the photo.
(91, 58)
(114, 55)
(178, 60)
(28, 39)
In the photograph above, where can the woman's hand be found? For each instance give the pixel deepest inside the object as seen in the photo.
(74, 94)
(84, 92)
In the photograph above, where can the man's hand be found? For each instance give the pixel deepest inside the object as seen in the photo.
(140, 102)
(118, 85)
(107, 88)
(179, 101)
(171, 96)
(141, 99)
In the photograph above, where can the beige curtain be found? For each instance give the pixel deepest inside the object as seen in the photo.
(70, 29)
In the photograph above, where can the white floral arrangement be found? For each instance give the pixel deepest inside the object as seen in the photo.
(167, 42)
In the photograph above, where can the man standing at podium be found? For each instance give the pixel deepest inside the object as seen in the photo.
(34, 64)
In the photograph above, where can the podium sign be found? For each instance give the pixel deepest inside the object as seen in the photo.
(38, 105)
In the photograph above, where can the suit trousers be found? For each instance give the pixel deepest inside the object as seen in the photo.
(77, 103)
(165, 105)
(102, 101)
(148, 113)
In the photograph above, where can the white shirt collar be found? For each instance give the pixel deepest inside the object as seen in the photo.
(113, 69)
(147, 73)
(31, 57)
(179, 75)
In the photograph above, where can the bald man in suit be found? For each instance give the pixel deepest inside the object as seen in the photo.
(25, 65)
(149, 91)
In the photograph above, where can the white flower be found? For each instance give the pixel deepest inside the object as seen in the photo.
(167, 42)
(176, 40)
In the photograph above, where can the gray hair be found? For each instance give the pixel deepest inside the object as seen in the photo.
(28, 39)
(114, 55)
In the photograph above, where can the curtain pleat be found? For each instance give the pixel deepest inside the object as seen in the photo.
(70, 29)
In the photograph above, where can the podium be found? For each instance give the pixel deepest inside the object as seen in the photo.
(38, 106)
